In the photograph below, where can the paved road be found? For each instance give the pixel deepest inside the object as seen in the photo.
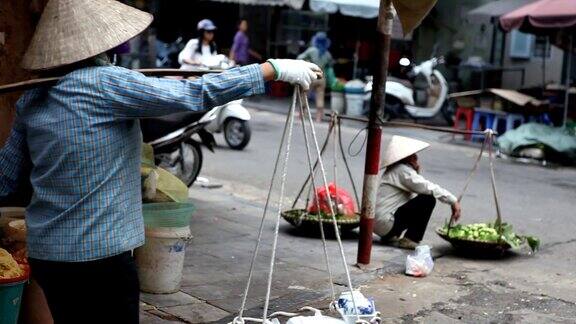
(523, 288)
(536, 200)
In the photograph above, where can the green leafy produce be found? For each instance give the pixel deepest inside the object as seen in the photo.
(489, 232)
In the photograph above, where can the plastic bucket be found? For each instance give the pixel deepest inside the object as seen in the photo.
(337, 103)
(354, 104)
(11, 298)
(169, 214)
(160, 260)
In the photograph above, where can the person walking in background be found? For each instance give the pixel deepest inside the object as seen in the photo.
(199, 51)
(318, 54)
(241, 51)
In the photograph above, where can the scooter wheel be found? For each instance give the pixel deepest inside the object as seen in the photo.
(237, 133)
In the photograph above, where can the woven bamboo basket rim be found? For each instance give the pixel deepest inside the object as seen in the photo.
(291, 216)
(458, 242)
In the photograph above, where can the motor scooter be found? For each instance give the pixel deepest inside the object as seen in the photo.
(423, 96)
(232, 120)
(176, 147)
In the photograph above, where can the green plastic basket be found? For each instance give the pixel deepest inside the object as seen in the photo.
(170, 214)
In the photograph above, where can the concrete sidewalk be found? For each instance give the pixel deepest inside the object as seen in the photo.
(225, 229)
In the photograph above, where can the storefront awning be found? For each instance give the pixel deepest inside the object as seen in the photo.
(411, 12)
(296, 4)
(355, 8)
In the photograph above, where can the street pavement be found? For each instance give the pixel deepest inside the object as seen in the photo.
(521, 288)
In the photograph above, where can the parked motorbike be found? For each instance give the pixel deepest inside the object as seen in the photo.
(232, 119)
(167, 53)
(423, 96)
(176, 147)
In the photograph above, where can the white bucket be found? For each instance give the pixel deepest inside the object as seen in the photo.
(354, 104)
(337, 103)
(160, 260)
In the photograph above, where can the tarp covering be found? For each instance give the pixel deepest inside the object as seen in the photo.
(493, 10)
(411, 12)
(296, 4)
(538, 135)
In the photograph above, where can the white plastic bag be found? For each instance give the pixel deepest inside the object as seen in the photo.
(420, 263)
(316, 319)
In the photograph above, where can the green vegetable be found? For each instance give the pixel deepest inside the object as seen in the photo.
(482, 232)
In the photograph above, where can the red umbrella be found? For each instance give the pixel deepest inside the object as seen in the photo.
(547, 17)
(541, 16)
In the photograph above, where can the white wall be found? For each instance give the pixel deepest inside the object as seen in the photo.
(533, 69)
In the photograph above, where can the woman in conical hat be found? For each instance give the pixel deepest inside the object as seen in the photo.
(405, 198)
(83, 138)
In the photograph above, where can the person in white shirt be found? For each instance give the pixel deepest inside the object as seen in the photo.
(405, 198)
(199, 51)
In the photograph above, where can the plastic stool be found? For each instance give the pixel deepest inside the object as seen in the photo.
(500, 118)
(511, 120)
(543, 118)
(467, 114)
(479, 114)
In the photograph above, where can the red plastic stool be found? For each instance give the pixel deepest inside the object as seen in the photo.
(467, 114)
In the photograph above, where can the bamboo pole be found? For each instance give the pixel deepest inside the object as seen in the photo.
(372, 164)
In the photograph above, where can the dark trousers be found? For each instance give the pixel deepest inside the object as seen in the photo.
(413, 217)
(100, 291)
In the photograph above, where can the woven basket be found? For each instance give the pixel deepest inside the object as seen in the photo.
(302, 219)
(475, 248)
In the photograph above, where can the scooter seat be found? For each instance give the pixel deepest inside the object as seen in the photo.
(154, 128)
(404, 82)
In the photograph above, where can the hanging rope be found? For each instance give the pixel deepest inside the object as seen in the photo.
(306, 108)
(346, 162)
(498, 223)
(238, 320)
(335, 130)
(317, 199)
(300, 98)
(488, 142)
(324, 146)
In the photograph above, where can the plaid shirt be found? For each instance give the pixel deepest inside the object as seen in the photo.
(83, 138)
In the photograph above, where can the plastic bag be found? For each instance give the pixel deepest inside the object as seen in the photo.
(344, 203)
(316, 319)
(420, 263)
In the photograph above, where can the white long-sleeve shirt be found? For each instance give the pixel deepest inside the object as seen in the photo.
(397, 186)
(190, 52)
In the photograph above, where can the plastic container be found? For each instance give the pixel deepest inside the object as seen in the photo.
(337, 102)
(168, 214)
(11, 298)
(160, 260)
(354, 97)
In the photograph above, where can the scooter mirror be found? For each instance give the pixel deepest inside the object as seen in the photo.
(404, 61)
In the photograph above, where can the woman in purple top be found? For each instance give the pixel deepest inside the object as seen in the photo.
(240, 51)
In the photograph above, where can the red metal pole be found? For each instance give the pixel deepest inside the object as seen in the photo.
(372, 164)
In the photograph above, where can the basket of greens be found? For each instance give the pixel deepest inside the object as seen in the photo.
(486, 238)
(302, 219)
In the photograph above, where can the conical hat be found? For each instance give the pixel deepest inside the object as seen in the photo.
(401, 147)
(70, 31)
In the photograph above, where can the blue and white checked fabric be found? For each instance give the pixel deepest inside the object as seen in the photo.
(83, 138)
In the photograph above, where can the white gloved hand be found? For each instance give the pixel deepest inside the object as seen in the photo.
(297, 72)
